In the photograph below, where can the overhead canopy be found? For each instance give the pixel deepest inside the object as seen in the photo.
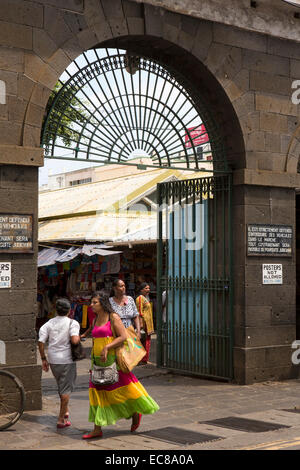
(50, 256)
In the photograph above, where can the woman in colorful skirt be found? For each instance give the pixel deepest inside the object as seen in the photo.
(125, 399)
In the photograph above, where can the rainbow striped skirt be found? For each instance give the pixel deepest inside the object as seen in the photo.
(109, 403)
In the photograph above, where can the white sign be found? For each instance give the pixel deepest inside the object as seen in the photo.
(272, 273)
(5, 275)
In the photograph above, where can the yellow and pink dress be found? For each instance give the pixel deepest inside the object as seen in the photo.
(109, 403)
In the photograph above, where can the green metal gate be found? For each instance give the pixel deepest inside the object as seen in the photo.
(195, 330)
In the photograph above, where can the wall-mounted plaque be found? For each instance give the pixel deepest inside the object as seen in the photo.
(269, 240)
(16, 233)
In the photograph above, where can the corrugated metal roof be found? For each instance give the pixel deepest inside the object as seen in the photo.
(98, 196)
(93, 228)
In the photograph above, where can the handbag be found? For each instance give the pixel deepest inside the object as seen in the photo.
(77, 350)
(131, 352)
(104, 375)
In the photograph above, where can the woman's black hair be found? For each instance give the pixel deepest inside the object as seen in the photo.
(104, 301)
(142, 286)
(114, 284)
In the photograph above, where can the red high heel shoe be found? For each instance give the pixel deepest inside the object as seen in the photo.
(135, 426)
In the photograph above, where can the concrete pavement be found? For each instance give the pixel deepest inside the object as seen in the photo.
(186, 404)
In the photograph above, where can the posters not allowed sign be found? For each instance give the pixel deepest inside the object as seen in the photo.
(5, 275)
(272, 273)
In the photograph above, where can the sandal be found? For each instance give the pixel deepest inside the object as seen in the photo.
(63, 425)
(92, 436)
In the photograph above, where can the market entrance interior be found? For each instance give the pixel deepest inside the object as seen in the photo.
(120, 106)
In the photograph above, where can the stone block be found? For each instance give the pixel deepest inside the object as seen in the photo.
(170, 33)
(259, 365)
(272, 103)
(18, 201)
(254, 60)
(16, 109)
(55, 26)
(33, 66)
(270, 83)
(173, 19)
(283, 48)
(255, 141)
(23, 276)
(217, 54)
(132, 9)
(112, 9)
(230, 67)
(118, 26)
(189, 25)
(295, 69)
(24, 87)
(250, 122)
(75, 22)
(224, 34)
(34, 115)
(11, 59)
(18, 327)
(59, 61)
(136, 26)
(275, 123)
(238, 85)
(15, 35)
(87, 39)
(43, 45)
(70, 5)
(30, 376)
(154, 20)
(31, 136)
(40, 95)
(48, 77)
(244, 104)
(19, 177)
(293, 124)
(203, 40)
(33, 400)
(22, 12)
(18, 302)
(186, 40)
(10, 133)
(20, 352)
(72, 48)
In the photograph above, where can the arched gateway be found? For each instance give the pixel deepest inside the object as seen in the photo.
(113, 104)
(235, 68)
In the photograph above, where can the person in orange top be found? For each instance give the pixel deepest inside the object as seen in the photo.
(144, 307)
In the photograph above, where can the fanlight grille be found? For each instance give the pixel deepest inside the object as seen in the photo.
(110, 107)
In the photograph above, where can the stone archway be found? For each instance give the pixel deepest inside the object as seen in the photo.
(238, 71)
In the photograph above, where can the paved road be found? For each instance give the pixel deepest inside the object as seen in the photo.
(187, 407)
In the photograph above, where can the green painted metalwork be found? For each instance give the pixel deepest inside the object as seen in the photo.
(194, 268)
(111, 107)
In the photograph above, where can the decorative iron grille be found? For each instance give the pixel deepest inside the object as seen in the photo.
(110, 107)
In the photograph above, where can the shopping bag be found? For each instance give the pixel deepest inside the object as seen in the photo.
(131, 352)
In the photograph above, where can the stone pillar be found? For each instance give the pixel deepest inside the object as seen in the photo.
(19, 195)
(264, 315)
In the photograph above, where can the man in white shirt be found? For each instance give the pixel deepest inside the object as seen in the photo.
(60, 331)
